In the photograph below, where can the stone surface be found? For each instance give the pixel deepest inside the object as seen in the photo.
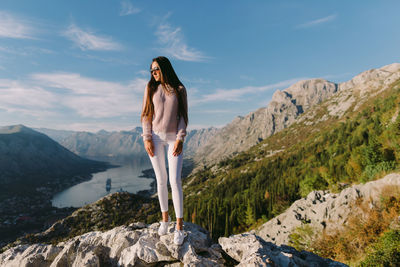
(140, 245)
(134, 245)
(322, 209)
(251, 250)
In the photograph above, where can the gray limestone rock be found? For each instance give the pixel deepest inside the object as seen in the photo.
(140, 245)
(323, 210)
(251, 250)
(282, 111)
(134, 245)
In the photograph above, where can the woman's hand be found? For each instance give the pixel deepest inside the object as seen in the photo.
(177, 148)
(149, 146)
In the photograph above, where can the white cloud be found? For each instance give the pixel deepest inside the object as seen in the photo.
(12, 26)
(236, 95)
(102, 58)
(127, 9)
(93, 98)
(175, 46)
(25, 51)
(18, 97)
(87, 40)
(46, 95)
(317, 21)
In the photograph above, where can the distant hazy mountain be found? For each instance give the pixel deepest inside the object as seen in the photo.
(104, 144)
(29, 156)
(197, 138)
(56, 135)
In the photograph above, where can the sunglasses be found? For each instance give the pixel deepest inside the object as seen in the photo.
(156, 68)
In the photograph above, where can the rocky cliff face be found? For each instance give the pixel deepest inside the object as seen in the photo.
(140, 245)
(197, 138)
(324, 210)
(354, 93)
(282, 111)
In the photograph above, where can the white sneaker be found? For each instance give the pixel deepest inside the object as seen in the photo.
(164, 227)
(179, 236)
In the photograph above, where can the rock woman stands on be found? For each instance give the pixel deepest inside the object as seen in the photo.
(164, 120)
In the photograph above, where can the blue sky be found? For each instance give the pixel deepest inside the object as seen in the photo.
(83, 65)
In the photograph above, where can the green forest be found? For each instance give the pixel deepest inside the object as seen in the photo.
(246, 190)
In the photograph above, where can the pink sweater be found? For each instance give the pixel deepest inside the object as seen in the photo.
(165, 119)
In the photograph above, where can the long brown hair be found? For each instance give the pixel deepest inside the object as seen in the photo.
(168, 76)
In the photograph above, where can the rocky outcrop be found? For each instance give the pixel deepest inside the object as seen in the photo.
(324, 210)
(251, 250)
(354, 93)
(140, 245)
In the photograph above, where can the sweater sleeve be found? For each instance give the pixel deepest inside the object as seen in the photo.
(181, 124)
(146, 122)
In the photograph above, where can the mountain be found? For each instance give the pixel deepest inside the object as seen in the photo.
(286, 106)
(33, 167)
(56, 135)
(123, 144)
(351, 137)
(103, 144)
(282, 111)
(196, 139)
(31, 157)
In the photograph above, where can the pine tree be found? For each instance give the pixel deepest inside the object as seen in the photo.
(249, 214)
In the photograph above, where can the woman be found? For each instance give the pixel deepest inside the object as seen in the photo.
(164, 120)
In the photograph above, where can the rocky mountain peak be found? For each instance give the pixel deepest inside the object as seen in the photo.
(373, 78)
(285, 106)
(311, 92)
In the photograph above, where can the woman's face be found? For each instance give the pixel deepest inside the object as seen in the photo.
(155, 71)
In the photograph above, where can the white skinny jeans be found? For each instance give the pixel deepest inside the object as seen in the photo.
(160, 140)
